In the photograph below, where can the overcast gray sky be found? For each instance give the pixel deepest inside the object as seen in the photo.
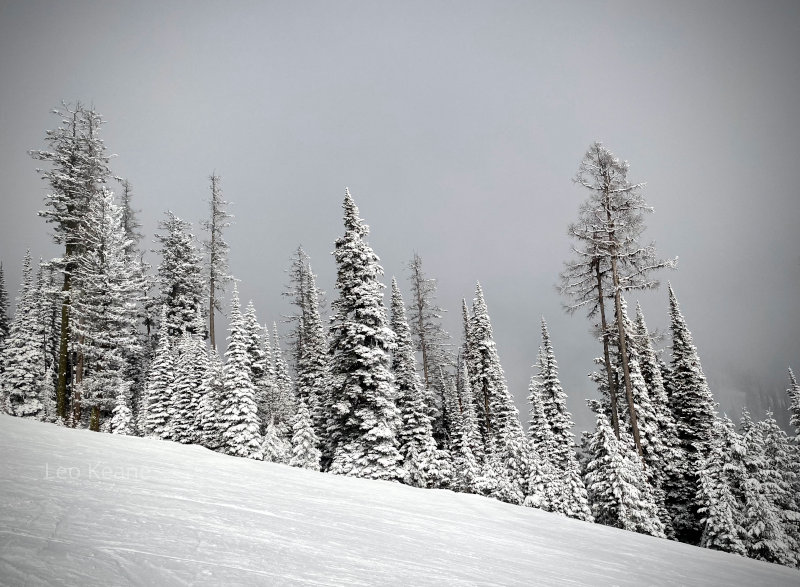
(458, 127)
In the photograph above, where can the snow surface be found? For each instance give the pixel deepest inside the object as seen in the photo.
(83, 508)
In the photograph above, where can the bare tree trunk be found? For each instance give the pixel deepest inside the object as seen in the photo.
(211, 315)
(76, 400)
(212, 278)
(94, 421)
(63, 351)
(612, 387)
(487, 412)
(422, 342)
(623, 351)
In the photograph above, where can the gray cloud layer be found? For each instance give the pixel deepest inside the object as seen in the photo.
(457, 126)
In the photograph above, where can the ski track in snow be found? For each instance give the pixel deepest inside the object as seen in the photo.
(167, 514)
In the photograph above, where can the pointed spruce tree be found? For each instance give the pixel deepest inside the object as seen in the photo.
(415, 435)
(693, 410)
(160, 385)
(305, 453)
(238, 412)
(719, 508)
(22, 357)
(618, 489)
(765, 535)
(207, 419)
(364, 418)
(106, 295)
(180, 278)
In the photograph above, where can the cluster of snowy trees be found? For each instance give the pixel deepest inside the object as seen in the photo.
(99, 341)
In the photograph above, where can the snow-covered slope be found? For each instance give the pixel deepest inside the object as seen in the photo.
(82, 508)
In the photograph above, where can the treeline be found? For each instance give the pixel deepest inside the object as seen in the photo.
(99, 340)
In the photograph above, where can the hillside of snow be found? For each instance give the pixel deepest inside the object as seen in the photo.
(83, 508)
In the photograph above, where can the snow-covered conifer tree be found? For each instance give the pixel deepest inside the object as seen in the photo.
(554, 404)
(554, 482)
(22, 357)
(122, 418)
(160, 384)
(765, 537)
(207, 420)
(544, 490)
(719, 509)
(311, 360)
(79, 167)
(415, 435)
(275, 448)
(255, 344)
(692, 408)
(502, 429)
(618, 489)
(364, 419)
(106, 292)
(188, 389)
(500, 416)
(305, 453)
(180, 278)
(238, 412)
(783, 470)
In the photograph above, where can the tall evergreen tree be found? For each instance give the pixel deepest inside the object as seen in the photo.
(555, 479)
(22, 360)
(238, 412)
(105, 307)
(217, 250)
(305, 453)
(618, 489)
(415, 435)
(503, 432)
(364, 419)
(78, 168)
(160, 384)
(138, 362)
(208, 418)
(500, 417)
(255, 344)
(313, 371)
(554, 402)
(122, 417)
(692, 408)
(180, 278)
(188, 389)
(783, 470)
(765, 537)
(719, 509)
(275, 448)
